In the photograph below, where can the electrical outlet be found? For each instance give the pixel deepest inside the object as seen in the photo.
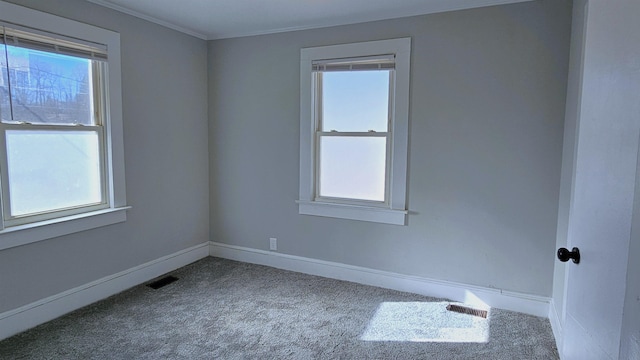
(273, 244)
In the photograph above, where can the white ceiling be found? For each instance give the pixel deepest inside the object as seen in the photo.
(218, 19)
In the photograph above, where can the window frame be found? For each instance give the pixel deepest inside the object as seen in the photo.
(317, 83)
(393, 209)
(97, 108)
(112, 127)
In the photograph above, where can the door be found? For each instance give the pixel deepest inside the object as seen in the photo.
(604, 180)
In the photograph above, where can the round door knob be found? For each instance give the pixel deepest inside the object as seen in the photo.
(564, 255)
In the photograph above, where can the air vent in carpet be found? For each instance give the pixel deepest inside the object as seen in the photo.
(467, 310)
(162, 282)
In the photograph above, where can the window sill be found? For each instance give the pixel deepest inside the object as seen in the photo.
(43, 230)
(353, 212)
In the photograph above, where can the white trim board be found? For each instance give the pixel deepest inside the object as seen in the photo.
(470, 294)
(36, 313)
(41, 311)
(556, 326)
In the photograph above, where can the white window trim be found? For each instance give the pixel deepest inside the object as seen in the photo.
(113, 127)
(395, 212)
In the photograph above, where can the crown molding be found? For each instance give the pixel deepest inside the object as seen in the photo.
(152, 19)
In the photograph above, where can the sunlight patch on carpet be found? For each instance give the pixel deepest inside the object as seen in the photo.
(424, 322)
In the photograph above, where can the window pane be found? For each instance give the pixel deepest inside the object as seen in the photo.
(52, 170)
(352, 167)
(355, 100)
(48, 88)
(5, 110)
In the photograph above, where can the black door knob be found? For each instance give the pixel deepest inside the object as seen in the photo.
(564, 255)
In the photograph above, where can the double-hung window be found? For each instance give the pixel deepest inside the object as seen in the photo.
(354, 116)
(51, 128)
(60, 125)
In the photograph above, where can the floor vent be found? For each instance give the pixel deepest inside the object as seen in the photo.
(467, 310)
(162, 282)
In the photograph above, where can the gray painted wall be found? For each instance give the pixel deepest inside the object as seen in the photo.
(165, 136)
(487, 113)
(487, 108)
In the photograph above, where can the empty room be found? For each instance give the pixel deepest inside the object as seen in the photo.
(357, 179)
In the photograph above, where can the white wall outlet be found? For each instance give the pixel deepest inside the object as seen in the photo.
(273, 244)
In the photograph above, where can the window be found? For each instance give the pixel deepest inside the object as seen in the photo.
(353, 139)
(61, 158)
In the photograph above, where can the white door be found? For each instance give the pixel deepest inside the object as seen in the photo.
(604, 182)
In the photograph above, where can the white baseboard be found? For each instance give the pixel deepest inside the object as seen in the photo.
(474, 295)
(39, 312)
(556, 326)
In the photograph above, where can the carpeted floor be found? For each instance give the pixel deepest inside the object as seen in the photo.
(221, 309)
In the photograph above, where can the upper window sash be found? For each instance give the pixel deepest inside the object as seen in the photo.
(318, 95)
(96, 112)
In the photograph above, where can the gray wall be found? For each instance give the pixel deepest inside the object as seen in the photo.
(487, 111)
(487, 108)
(165, 138)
